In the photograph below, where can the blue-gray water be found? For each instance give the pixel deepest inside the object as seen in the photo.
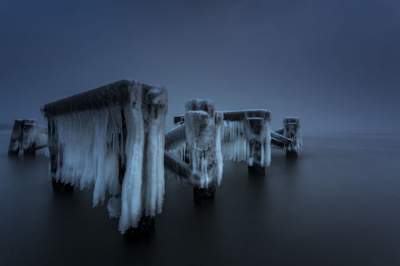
(338, 204)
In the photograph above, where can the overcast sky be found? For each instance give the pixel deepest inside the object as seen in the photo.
(335, 64)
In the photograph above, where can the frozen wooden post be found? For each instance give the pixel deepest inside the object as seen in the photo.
(26, 138)
(257, 131)
(247, 137)
(203, 142)
(112, 139)
(292, 131)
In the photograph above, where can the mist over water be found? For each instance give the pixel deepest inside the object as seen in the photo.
(337, 204)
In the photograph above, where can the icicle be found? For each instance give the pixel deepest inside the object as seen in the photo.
(219, 121)
(114, 207)
(131, 209)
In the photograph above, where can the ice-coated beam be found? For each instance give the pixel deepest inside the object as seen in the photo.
(180, 169)
(279, 140)
(235, 115)
(115, 93)
(243, 114)
(175, 137)
(112, 139)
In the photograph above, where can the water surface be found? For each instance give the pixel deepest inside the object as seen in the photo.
(338, 204)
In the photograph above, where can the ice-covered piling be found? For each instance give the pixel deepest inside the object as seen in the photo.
(292, 130)
(203, 128)
(26, 138)
(247, 137)
(112, 139)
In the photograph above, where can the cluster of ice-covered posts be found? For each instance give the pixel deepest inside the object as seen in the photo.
(113, 139)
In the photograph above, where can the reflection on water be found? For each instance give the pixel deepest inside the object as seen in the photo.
(338, 204)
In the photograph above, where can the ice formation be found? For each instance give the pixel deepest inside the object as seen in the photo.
(27, 137)
(197, 145)
(292, 130)
(235, 144)
(247, 139)
(112, 139)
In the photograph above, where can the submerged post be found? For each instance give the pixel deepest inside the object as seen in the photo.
(292, 131)
(112, 139)
(203, 144)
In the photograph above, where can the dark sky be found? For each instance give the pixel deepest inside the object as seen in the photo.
(335, 64)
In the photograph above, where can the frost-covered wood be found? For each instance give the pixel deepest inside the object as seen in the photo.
(26, 138)
(112, 139)
(203, 141)
(247, 137)
(195, 144)
(292, 131)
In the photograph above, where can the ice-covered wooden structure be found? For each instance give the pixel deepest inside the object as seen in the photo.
(27, 137)
(244, 136)
(289, 137)
(194, 148)
(112, 139)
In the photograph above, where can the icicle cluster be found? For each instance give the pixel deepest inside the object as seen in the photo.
(89, 149)
(180, 151)
(200, 136)
(103, 147)
(261, 155)
(236, 146)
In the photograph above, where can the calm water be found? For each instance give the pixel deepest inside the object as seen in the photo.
(338, 204)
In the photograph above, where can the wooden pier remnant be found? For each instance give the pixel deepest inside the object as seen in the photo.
(194, 151)
(112, 139)
(26, 138)
(203, 146)
(248, 138)
(292, 130)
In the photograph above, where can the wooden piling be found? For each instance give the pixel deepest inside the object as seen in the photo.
(23, 139)
(204, 147)
(292, 130)
(257, 131)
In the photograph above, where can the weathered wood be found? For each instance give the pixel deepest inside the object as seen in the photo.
(235, 115)
(241, 115)
(111, 94)
(179, 120)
